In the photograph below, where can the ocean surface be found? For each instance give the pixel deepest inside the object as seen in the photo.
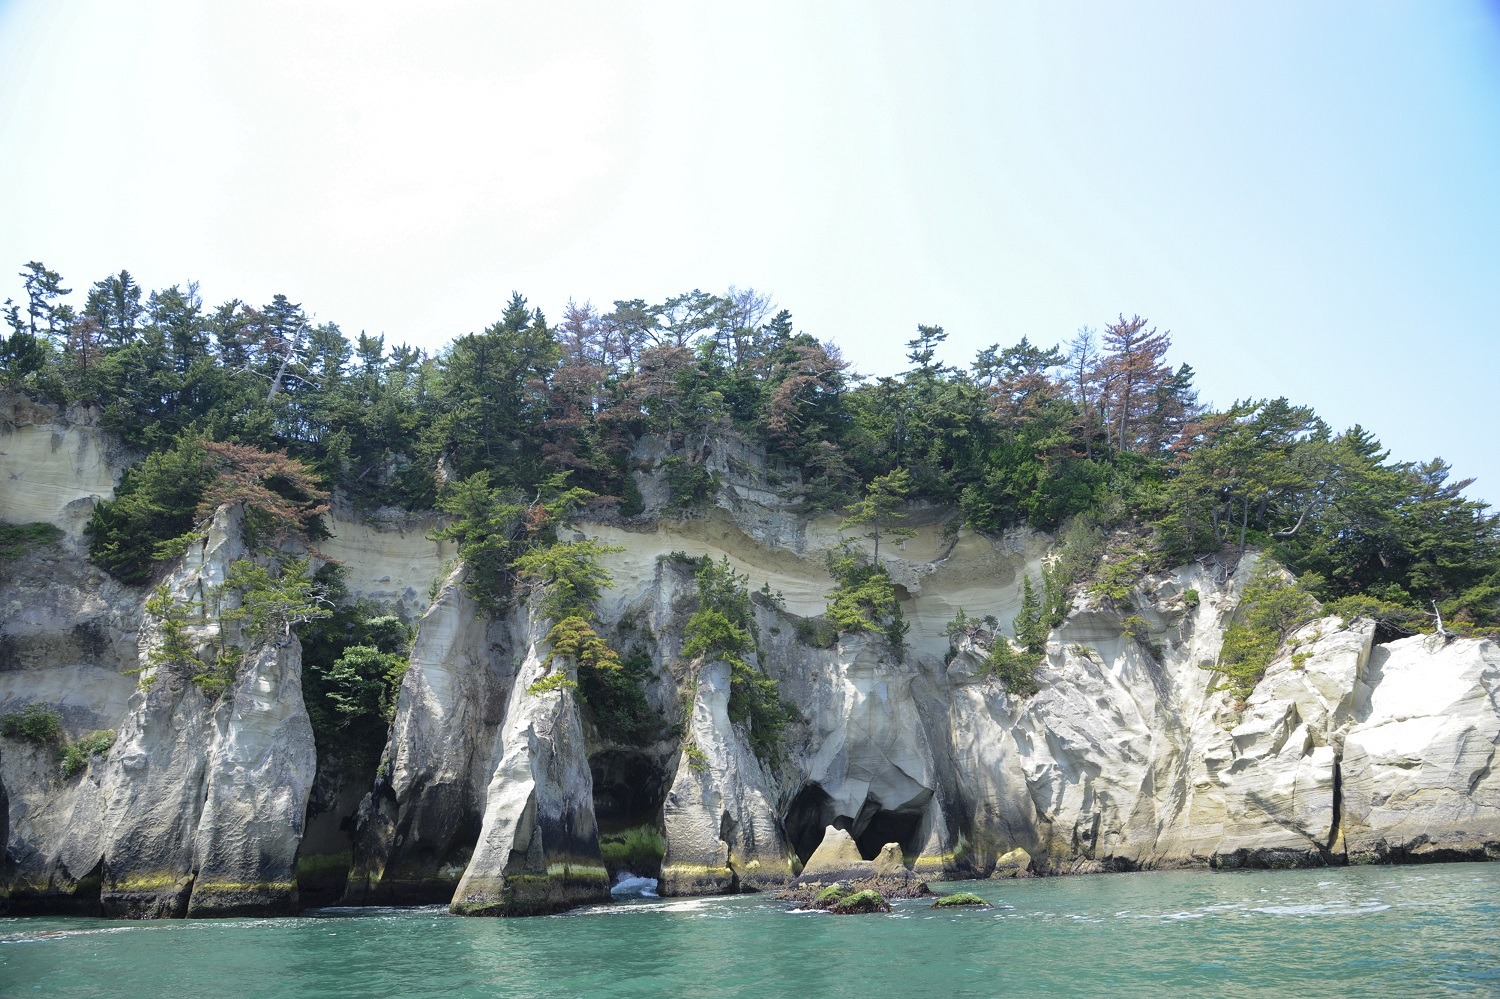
(1369, 931)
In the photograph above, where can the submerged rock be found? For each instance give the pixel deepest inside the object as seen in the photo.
(860, 902)
(961, 899)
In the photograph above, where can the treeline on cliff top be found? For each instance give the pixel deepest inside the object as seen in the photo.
(1103, 430)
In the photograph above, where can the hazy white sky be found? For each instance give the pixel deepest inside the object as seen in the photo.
(1305, 194)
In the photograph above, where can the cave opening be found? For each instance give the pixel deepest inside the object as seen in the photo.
(810, 812)
(630, 789)
(887, 826)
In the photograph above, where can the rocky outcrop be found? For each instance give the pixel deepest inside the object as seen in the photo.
(837, 858)
(839, 862)
(1127, 756)
(1418, 769)
(538, 849)
(204, 796)
(418, 827)
(720, 820)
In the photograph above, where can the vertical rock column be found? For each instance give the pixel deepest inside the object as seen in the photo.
(260, 771)
(205, 798)
(414, 830)
(538, 850)
(721, 828)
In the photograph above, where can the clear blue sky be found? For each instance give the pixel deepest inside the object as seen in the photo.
(1306, 195)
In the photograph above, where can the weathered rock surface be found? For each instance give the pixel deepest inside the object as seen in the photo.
(1126, 757)
(1418, 770)
(418, 827)
(838, 861)
(204, 798)
(538, 849)
(55, 464)
(720, 819)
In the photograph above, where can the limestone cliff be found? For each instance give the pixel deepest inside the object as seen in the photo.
(492, 789)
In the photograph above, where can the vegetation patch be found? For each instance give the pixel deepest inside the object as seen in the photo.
(639, 848)
(34, 723)
(76, 756)
(17, 540)
(722, 628)
(859, 903)
(1271, 608)
(1102, 439)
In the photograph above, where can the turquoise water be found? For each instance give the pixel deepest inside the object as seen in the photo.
(1351, 931)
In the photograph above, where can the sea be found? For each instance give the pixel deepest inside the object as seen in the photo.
(1355, 931)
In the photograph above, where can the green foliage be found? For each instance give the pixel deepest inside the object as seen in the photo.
(155, 503)
(617, 703)
(830, 895)
(484, 526)
(639, 848)
(273, 598)
(816, 633)
(691, 485)
(1398, 617)
(696, 757)
(34, 723)
(176, 649)
(1100, 435)
(1120, 572)
(1016, 669)
(552, 683)
(569, 573)
(1190, 598)
(958, 899)
(76, 756)
(722, 629)
(353, 662)
(864, 598)
(17, 540)
(880, 510)
(1271, 608)
(219, 671)
(861, 902)
(1135, 628)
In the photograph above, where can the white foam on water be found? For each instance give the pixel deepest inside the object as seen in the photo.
(1322, 909)
(628, 885)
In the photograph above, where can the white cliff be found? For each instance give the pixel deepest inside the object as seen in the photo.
(1126, 757)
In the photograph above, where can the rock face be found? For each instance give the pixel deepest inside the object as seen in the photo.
(538, 849)
(720, 817)
(204, 798)
(490, 789)
(1418, 769)
(418, 827)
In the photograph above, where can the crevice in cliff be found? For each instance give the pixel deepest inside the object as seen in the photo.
(1335, 851)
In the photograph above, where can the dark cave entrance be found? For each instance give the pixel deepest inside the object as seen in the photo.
(889, 827)
(812, 811)
(629, 791)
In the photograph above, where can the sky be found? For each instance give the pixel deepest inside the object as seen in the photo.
(1306, 195)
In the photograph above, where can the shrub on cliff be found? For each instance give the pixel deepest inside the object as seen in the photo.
(17, 540)
(1271, 608)
(723, 629)
(34, 723)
